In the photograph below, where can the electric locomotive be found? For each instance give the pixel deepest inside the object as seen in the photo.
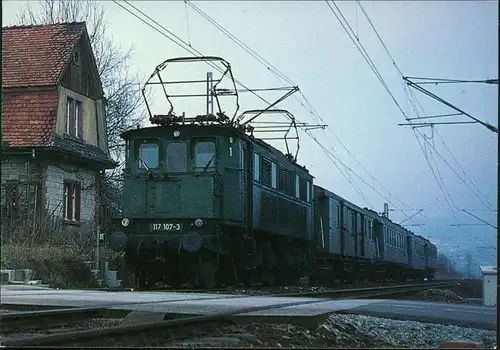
(208, 203)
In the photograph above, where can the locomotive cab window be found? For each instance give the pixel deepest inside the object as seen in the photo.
(176, 157)
(204, 156)
(148, 155)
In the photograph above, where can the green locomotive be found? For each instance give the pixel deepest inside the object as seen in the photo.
(206, 202)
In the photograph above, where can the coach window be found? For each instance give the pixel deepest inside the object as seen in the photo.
(256, 167)
(338, 216)
(297, 186)
(273, 175)
(204, 156)
(308, 189)
(148, 154)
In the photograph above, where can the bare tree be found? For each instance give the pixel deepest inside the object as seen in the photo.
(121, 88)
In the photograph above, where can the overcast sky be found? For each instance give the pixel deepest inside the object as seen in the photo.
(305, 41)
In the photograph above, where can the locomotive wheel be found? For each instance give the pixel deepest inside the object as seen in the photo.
(175, 280)
(145, 281)
(248, 278)
(227, 274)
(206, 277)
(268, 279)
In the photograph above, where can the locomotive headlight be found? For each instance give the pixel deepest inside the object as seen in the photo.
(177, 133)
(198, 222)
(125, 222)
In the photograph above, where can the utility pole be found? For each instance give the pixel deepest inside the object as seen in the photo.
(469, 266)
(498, 173)
(386, 211)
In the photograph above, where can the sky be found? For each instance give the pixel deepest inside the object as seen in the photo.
(369, 159)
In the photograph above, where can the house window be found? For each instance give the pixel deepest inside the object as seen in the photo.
(74, 117)
(76, 58)
(12, 198)
(72, 201)
(308, 192)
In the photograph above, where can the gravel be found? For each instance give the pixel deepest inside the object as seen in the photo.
(340, 330)
(36, 330)
(440, 296)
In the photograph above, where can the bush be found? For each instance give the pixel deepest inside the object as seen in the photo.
(59, 267)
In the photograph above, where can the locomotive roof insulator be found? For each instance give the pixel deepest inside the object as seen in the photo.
(167, 119)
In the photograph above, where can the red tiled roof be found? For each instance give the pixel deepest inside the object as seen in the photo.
(29, 118)
(37, 55)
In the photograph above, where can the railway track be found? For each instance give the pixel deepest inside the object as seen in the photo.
(265, 290)
(34, 324)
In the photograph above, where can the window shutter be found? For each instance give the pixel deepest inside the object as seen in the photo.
(77, 202)
(80, 120)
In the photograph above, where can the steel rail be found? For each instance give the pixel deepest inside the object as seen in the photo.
(71, 337)
(29, 319)
(54, 339)
(373, 291)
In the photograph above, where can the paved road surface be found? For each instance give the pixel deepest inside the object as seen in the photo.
(194, 303)
(453, 314)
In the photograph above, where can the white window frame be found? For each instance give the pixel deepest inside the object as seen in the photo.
(70, 102)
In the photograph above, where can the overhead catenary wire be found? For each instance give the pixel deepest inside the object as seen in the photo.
(179, 42)
(374, 69)
(267, 102)
(404, 114)
(385, 47)
(359, 46)
(282, 77)
(162, 33)
(184, 45)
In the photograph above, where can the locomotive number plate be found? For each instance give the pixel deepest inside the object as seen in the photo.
(166, 227)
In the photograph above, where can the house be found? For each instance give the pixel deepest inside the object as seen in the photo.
(54, 146)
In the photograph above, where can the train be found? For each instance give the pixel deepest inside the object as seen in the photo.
(207, 203)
